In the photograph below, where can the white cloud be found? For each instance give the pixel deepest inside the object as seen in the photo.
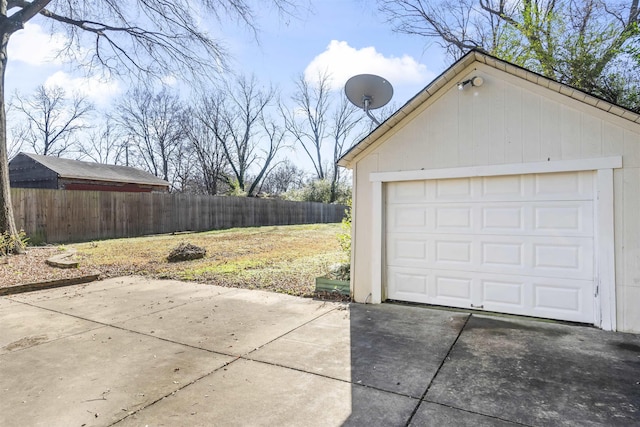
(98, 91)
(169, 80)
(35, 47)
(343, 61)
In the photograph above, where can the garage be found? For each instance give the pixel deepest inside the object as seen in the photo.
(516, 195)
(519, 244)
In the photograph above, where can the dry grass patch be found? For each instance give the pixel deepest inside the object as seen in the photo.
(31, 267)
(283, 258)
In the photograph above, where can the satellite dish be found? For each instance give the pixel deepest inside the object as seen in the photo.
(368, 92)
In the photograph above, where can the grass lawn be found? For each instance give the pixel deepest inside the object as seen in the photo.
(281, 258)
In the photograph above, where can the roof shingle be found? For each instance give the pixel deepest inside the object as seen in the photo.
(67, 168)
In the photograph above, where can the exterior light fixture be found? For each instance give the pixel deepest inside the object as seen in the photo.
(473, 81)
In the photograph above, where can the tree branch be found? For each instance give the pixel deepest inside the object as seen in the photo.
(27, 11)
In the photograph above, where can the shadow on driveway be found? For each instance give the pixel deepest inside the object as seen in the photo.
(133, 351)
(486, 370)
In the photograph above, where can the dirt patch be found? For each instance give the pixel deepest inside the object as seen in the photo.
(331, 296)
(31, 267)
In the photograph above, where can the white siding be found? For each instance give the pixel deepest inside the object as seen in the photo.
(362, 232)
(509, 120)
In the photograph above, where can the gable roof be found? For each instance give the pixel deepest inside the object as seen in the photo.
(67, 168)
(451, 74)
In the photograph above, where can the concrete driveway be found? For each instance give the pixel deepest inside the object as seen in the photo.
(136, 352)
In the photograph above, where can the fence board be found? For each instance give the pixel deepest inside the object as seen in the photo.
(61, 216)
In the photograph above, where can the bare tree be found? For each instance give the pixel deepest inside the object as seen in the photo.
(307, 121)
(209, 157)
(185, 175)
(126, 36)
(583, 43)
(274, 136)
(15, 134)
(52, 119)
(154, 123)
(106, 144)
(16, 142)
(344, 120)
(249, 139)
(283, 177)
(316, 120)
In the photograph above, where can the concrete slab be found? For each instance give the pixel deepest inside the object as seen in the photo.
(434, 415)
(233, 323)
(399, 348)
(539, 373)
(322, 346)
(23, 326)
(95, 378)
(258, 394)
(122, 301)
(371, 407)
(159, 354)
(391, 347)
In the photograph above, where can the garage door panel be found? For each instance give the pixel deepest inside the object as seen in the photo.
(409, 252)
(570, 300)
(553, 298)
(570, 257)
(408, 284)
(563, 218)
(507, 186)
(567, 300)
(563, 186)
(504, 294)
(450, 218)
(456, 252)
(452, 288)
(573, 218)
(440, 287)
(515, 244)
(562, 299)
(407, 192)
(564, 260)
(503, 255)
(453, 189)
(503, 218)
(408, 218)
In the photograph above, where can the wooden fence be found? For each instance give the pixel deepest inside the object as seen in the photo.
(59, 216)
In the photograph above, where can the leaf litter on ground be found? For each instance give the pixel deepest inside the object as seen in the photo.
(284, 259)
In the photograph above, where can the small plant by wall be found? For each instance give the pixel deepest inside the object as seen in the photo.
(8, 242)
(345, 236)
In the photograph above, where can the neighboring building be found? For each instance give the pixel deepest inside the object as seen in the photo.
(36, 171)
(516, 195)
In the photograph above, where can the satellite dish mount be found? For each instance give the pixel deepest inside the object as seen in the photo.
(368, 92)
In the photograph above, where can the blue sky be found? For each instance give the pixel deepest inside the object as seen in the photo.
(343, 37)
(346, 37)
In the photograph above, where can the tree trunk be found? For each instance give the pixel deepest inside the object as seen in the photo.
(334, 184)
(7, 221)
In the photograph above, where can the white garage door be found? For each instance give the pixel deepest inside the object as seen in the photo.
(520, 244)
